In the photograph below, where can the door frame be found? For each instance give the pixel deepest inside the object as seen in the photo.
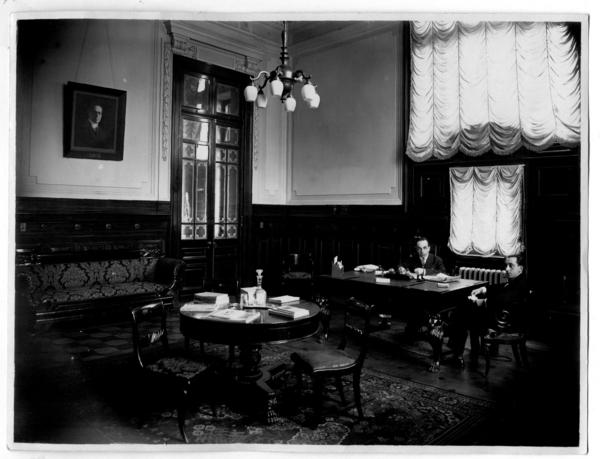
(182, 65)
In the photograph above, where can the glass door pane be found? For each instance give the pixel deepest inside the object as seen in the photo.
(228, 135)
(194, 192)
(196, 92)
(228, 100)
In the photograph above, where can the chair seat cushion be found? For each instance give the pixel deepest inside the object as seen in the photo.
(316, 361)
(180, 367)
(55, 298)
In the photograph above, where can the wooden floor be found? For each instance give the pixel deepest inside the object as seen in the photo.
(535, 407)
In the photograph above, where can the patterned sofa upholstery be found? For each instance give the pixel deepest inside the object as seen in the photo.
(71, 290)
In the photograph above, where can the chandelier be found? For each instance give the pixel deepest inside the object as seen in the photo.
(282, 80)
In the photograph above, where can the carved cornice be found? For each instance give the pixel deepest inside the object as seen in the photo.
(225, 36)
(225, 44)
(188, 47)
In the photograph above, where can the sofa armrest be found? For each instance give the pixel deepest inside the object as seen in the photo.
(25, 303)
(169, 271)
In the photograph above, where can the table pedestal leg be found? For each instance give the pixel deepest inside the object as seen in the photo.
(252, 375)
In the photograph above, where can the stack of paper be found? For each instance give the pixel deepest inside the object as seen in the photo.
(235, 315)
(284, 299)
(215, 298)
(201, 307)
(292, 312)
(441, 277)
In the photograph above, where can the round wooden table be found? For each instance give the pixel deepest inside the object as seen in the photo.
(249, 337)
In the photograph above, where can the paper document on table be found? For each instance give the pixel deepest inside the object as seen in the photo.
(211, 298)
(201, 307)
(235, 315)
(367, 268)
(441, 277)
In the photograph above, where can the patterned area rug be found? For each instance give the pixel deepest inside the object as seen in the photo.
(89, 376)
(397, 412)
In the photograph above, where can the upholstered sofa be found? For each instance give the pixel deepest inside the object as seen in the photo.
(73, 290)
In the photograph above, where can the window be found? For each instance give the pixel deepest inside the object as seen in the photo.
(486, 210)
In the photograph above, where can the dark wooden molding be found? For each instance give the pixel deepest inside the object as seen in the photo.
(89, 206)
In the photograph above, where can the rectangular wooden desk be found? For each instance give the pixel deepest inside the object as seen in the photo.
(397, 296)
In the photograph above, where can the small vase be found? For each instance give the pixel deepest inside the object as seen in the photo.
(260, 294)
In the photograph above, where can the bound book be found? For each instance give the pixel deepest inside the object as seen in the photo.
(293, 312)
(235, 315)
(283, 299)
(212, 298)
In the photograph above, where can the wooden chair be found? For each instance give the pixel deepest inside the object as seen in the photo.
(517, 340)
(297, 275)
(153, 357)
(336, 363)
(514, 335)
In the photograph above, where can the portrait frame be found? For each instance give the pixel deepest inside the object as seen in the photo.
(94, 122)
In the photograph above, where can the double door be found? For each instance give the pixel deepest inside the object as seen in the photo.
(210, 174)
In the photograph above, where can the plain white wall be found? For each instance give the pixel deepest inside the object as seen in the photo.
(113, 54)
(347, 150)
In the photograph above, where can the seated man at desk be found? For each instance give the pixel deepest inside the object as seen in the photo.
(418, 264)
(490, 310)
(421, 262)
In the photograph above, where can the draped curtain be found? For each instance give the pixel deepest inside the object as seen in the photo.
(486, 212)
(494, 86)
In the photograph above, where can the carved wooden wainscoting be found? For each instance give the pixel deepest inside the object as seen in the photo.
(57, 229)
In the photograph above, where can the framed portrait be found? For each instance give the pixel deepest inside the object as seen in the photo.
(94, 122)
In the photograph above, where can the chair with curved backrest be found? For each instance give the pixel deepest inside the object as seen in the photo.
(347, 359)
(514, 335)
(153, 358)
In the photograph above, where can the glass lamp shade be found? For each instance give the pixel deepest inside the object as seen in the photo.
(261, 100)
(308, 92)
(276, 87)
(290, 104)
(250, 93)
(314, 102)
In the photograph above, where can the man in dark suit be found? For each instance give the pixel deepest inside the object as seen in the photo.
(422, 262)
(91, 133)
(491, 309)
(418, 264)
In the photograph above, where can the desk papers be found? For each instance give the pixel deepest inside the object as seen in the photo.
(211, 298)
(440, 277)
(235, 315)
(201, 307)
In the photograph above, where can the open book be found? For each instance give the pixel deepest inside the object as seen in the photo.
(293, 312)
(235, 315)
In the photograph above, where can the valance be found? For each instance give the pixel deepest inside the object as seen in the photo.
(494, 86)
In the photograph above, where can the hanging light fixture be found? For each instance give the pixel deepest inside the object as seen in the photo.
(282, 81)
